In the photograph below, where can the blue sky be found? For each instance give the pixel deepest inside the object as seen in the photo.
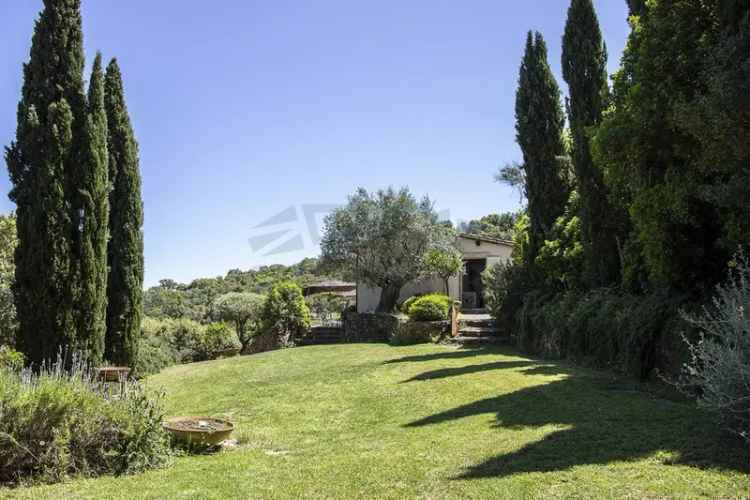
(247, 109)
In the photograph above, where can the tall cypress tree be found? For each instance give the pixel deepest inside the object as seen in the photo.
(539, 128)
(93, 222)
(584, 65)
(125, 284)
(43, 162)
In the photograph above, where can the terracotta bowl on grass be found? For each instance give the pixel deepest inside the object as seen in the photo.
(203, 431)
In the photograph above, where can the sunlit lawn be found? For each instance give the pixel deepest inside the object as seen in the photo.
(369, 420)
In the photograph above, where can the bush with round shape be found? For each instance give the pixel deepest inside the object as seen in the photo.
(432, 307)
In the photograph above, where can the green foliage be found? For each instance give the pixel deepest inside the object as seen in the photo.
(217, 339)
(405, 305)
(500, 226)
(285, 312)
(584, 65)
(539, 133)
(125, 249)
(165, 342)
(382, 239)
(718, 369)
(603, 328)
(326, 306)
(8, 244)
(444, 262)
(673, 143)
(194, 300)
(10, 358)
(92, 206)
(244, 311)
(431, 307)
(60, 423)
(561, 258)
(43, 163)
(501, 295)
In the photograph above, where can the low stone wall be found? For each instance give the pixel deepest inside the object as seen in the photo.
(398, 330)
(267, 341)
(369, 327)
(420, 332)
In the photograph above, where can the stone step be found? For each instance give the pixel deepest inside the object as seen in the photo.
(473, 311)
(475, 331)
(484, 339)
(476, 322)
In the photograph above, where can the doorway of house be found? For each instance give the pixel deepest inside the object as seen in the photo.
(472, 293)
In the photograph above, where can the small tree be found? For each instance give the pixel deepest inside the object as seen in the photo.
(445, 263)
(285, 312)
(244, 311)
(382, 240)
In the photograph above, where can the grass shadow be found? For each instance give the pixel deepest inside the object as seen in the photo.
(600, 427)
(465, 370)
(460, 353)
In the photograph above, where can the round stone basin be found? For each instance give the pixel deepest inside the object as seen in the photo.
(207, 431)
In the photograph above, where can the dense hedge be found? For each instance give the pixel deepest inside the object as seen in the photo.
(605, 328)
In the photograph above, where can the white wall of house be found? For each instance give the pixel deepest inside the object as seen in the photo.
(492, 251)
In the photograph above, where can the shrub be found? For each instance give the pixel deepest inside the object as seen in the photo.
(285, 312)
(216, 338)
(603, 328)
(244, 311)
(10, 358)
(432, 307)
(165, 342)
(154, 354)
(58, 423)
(405, 305)
(718, 368)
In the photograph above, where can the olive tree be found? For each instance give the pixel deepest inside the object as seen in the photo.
(244, 311)
(382, 239)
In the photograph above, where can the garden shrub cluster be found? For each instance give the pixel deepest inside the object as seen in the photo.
(431, 307)
(604, 328)
(166, 342)
(60, 422)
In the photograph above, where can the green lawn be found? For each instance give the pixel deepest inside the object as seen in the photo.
(373, 421)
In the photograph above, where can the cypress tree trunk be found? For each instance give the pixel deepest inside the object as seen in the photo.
(43, 163)
(584, 64)
(539, 128)
(125, 250)
(93, 211)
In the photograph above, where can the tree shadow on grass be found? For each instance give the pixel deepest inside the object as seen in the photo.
(455, 354)
(465, 370)
(601, 426)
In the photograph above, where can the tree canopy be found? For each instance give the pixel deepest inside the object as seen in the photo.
(382, 239)
(243, 310)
